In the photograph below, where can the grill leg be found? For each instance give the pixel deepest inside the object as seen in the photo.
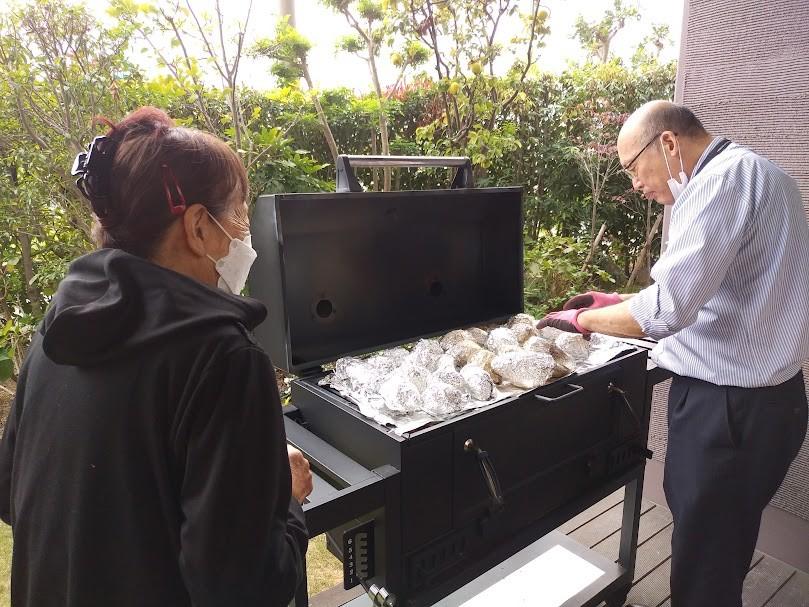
(627, 553)
(630, 522)
(633, 493)
(618, 599)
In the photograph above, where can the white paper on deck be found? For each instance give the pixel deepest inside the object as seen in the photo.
(548, 581)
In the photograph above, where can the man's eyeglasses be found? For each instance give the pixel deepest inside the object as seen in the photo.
(628, 167)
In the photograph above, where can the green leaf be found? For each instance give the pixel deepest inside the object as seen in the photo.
(6, 366)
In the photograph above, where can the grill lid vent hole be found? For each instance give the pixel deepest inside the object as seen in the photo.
(436, 288)
(324, 308)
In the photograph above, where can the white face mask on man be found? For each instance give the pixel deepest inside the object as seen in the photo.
(675, 186)
(234, 267)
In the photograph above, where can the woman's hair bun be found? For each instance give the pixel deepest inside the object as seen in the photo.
(140, 122)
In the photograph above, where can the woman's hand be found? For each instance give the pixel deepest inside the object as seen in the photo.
(301, 475)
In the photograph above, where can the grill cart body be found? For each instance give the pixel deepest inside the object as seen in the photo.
(415, 516)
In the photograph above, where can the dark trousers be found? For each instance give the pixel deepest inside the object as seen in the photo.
(728, 451)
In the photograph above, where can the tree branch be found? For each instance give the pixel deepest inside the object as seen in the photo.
(205, 41)
(197, 85)
(529, 60)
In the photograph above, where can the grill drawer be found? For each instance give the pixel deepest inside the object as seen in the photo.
(549, 445)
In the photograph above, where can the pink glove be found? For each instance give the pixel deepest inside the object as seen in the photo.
(592, 300)
(566, 320)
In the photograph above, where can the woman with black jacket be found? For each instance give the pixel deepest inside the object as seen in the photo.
(144, 461)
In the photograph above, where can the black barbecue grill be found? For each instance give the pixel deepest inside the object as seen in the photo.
(415, 517)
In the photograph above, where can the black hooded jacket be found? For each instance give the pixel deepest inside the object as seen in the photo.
(144, 461)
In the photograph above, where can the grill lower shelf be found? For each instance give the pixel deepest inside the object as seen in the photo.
(552, 572)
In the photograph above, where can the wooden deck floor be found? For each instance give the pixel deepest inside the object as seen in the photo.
(769, 583)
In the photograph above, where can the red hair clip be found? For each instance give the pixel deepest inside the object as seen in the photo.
(170, 181)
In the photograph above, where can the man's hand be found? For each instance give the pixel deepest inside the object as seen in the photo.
(301, 475)
(592, 300)
(566, 320)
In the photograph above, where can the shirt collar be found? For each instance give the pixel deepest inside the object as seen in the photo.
(714, 142)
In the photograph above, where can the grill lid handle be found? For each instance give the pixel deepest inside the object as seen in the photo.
(347, 179)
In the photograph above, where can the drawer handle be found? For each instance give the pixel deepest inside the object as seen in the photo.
(555, 399)
(496, 500)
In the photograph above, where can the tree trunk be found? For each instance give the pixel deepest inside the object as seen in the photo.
(594, 246)
(236, 114)
(383, 119)
(534, 227)
(374, 172)
(321, 115)
(644, 252)
(604, 51)
(593, 219)
(537, 210)
(28, 271)
(287, 8)
(383, 133)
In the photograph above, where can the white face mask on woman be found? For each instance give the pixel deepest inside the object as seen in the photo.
(234, 267)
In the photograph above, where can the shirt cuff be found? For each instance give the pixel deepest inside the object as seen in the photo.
(645, 309)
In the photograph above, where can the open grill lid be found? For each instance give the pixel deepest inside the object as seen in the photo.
(353, 272)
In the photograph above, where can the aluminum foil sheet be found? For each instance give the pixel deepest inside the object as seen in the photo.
(574, 345)
(406, 388)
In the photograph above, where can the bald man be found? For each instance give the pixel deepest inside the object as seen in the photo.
(729, 308)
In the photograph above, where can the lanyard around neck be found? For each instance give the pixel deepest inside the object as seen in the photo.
(720, 147)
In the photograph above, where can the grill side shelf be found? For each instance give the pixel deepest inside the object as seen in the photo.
(343, 489)
(337, 467)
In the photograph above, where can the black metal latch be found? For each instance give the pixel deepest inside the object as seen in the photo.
(496, 500)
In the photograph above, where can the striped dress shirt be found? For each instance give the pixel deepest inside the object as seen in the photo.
(730, 301)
